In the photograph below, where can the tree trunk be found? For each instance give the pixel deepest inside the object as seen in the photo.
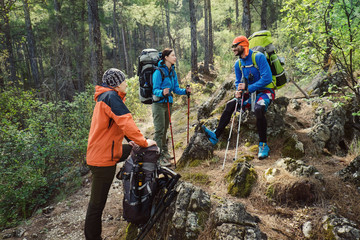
(211, 41)
(329, 40)
(206, 37)
(194, 67)
(246, 19)
(59, 54)
(117, 51)
(95, 41)
(80, 49)
(264, 6)
(167, 15)
(31, 46)
(237, 13)
(5, 10)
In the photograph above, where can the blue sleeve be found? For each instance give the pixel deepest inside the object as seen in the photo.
(265, 73)
(157, 80)
(177, 89)
(238, 74)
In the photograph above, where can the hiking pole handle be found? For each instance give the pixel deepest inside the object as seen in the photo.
(188, 114)
(187, 93)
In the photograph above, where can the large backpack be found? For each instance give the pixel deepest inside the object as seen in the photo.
(261, 41)
(139, 175)
(148, 61)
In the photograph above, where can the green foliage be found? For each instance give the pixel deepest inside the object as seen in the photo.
(41, 146)
(324, 34)
(137, 109)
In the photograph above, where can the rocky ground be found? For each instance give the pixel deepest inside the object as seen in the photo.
(65, 219)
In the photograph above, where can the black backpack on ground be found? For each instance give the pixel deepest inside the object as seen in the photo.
(148, 63)
(148, 188)
(139, 176)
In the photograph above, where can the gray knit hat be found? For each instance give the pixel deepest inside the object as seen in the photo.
(113, 77)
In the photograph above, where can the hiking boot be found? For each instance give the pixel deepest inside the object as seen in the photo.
(164, 162)
(263, 150)
(210, 135)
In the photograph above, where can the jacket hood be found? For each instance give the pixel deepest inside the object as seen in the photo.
(100, 89)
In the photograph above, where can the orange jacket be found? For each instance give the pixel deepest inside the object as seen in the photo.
(111, 121)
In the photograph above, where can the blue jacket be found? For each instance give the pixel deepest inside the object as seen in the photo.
(170, 81)
(262, 77)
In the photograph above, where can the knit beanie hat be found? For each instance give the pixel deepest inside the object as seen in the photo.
(243, 41)
(113, 77)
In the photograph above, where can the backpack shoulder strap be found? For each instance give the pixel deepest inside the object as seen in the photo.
(161, 72)
(253, 61)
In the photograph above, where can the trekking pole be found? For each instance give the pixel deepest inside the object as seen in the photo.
(164, 202)
(188, 95)
(172, 136)
(238, 132)
(228, 141)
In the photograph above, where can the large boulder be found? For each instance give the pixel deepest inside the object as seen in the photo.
(329, 130)
(352, 172)
(241, 178)
(298, 190)
(298, 168)
(192, 208)
(322, 81)
(199, 148)
(233, 222)
(293, 148)
(337, 227)
(208, 107)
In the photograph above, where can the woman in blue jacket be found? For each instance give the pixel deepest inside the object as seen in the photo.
(165, 82)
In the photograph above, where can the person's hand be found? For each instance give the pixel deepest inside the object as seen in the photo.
(238, 94)
(132, 143)
(241, 86)
(150, 142)
(188, 90)
(166, 91)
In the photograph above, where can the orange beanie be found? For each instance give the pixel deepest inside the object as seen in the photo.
(243, 41)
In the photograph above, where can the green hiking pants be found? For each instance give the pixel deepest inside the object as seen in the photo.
(102, 178)
(161, 124)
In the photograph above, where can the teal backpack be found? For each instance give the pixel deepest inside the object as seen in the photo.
(262, 42)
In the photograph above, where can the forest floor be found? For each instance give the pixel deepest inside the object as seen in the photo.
(65, 219)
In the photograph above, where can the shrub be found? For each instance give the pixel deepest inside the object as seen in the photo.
(41, 146)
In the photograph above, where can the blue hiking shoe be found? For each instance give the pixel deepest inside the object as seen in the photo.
(263, 150)
(210, 135)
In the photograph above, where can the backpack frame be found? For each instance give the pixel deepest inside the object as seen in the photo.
(147, 65)
(261, 41)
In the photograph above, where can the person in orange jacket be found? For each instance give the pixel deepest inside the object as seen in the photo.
(111, 122)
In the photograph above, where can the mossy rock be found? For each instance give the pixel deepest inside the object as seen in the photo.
(195, 163)
(291, 150)
(200, 178)
(244, 158)
(254, 148)
(131, 232)
(241, 178)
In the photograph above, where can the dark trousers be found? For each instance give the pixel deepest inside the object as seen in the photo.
(261, 122)
(102, 178)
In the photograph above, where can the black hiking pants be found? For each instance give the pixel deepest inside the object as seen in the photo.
(261, 122)
(102, 178)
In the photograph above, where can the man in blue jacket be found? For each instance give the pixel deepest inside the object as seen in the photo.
(250, 80)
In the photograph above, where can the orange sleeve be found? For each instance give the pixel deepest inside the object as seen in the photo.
(130, 130)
